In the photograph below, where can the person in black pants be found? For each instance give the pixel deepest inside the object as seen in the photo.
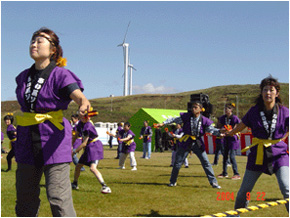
(158, 140)
(11, 133)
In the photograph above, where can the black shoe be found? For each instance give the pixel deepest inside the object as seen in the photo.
(75, 186)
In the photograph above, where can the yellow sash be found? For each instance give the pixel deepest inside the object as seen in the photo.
(261, 143)
(94, 140)
(29, 119)
(10, 143)
(186, 137)
(128, 143)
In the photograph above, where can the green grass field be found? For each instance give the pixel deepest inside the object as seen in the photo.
(145, 193)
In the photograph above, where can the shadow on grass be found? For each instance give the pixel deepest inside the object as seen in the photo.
(141, 183)
(163, 166)
(168, 166)
(162, 184)
(154, 213)
(168, 175)
(192, 176)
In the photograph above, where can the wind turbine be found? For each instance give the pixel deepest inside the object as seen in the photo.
(126, 62)
(131, 78)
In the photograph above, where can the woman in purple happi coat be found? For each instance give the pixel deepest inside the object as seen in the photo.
(230, 143)
(126, 137)
(45, 137)
(269, 121)
(93, 152)
(11, 133)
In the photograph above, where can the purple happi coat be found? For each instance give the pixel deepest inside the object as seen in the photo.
(79, 139)
(187, 129)
(56, 144)
(118, 130)
(230, 142)
(177, 142)
(94, 150)
(132, 146)
(146, 131)
(2, 136)
(280, 157)
(10, 133)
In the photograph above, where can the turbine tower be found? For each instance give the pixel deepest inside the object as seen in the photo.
(126, 62)
(131, 78)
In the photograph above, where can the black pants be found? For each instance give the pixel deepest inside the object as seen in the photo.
(9, 157)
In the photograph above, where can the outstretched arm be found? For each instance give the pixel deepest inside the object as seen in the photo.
(236, 129)
(81, 100)
(169, 121)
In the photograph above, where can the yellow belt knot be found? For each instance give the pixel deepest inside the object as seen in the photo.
(261, 143)
(29, 119)
(186, 137)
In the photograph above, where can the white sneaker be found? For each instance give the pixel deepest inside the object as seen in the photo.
(106, 190)
(134, 168)
(122, 168)
(172, 185)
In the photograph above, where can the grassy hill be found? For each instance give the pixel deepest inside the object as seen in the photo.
(123, 107)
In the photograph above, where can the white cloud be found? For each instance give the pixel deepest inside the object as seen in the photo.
(150, 89)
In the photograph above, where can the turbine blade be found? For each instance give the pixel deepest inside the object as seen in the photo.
(126, 32)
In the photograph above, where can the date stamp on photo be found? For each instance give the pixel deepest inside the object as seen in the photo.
(227, 196)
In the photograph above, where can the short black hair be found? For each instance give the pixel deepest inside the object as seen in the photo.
(9, 117)
(75, 116)
(127, 124)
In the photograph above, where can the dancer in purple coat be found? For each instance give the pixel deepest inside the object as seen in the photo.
(79, 139)
(94, 152)
(176, 135)
(120, 127)
(11, 133)
(43, 92)
(269, 121)
(126, 137)
(146, 135)
(231, 144)
(194, 126)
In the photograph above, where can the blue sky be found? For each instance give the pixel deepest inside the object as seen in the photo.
(175, 46)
